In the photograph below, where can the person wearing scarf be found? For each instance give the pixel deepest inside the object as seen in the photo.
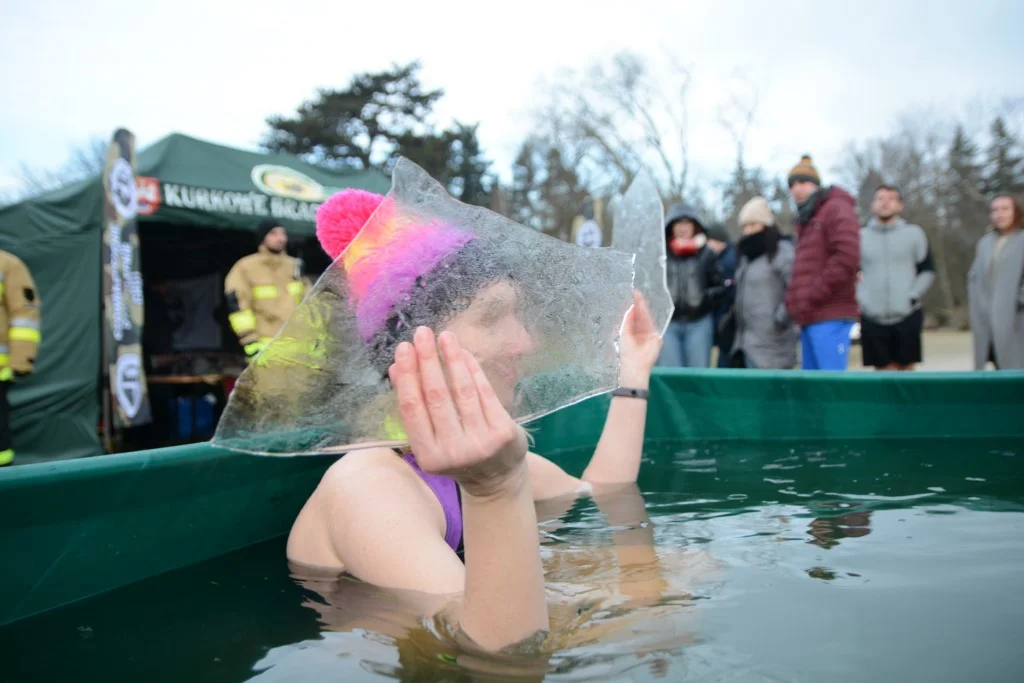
(766, 337)
(697, 288)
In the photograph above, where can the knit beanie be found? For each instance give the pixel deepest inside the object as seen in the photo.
(718, 233)
(263, 227)
(757, 211)
(804, 171)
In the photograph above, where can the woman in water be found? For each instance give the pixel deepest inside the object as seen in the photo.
(995, 289)
(455, 513)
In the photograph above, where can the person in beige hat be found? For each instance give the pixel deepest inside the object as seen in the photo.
(766, 337)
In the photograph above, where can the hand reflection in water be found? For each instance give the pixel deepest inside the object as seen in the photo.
(620, 597)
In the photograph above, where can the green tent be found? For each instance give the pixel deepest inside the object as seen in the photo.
(197, 202)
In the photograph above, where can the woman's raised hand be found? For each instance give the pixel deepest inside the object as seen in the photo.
(456, 426)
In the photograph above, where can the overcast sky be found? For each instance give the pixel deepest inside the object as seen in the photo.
(826, 72)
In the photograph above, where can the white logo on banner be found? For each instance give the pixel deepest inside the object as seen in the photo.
(589, 235)
(122, 189)
(128, 384)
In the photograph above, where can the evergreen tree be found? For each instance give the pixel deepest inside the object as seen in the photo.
(1004, 170)
(358, 127)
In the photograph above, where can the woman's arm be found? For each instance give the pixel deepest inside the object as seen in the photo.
(617, 458)
(465, 433)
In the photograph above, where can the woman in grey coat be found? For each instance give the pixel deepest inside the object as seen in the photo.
(995, 289)
(766, 337)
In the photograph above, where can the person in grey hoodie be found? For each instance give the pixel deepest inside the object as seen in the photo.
(766, 337)
(896, 270)
(995, 289)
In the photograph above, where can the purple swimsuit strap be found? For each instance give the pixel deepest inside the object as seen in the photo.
(447, 492)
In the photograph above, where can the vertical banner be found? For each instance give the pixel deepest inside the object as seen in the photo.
(122, 286)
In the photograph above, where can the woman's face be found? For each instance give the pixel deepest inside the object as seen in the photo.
(490, 329)
(683, 229)
(1001, 212)
(752, 228)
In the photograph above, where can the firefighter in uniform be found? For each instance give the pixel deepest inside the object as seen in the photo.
(19, 337)
(263, 290)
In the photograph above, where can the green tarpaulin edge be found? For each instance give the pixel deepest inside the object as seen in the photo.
(72, 529)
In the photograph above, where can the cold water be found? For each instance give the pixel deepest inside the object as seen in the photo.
(860, 561)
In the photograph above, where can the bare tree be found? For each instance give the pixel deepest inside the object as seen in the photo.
(616, 116)
(84, 160)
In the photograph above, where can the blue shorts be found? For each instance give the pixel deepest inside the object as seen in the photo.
(826, 345)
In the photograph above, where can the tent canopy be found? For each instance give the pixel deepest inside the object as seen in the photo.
(185, 180)
(58, 234)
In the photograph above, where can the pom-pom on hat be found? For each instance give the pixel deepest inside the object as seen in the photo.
(383, 252)
(340, 218)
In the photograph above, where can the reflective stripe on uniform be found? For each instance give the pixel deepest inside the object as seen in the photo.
(4, 348)
(242, 321)
(27, 323)
(25, 334)
(6, 374)
(265, 292)
(256, 347)
(295, 288)
(6, 457)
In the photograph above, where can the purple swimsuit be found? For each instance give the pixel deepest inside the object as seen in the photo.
(447, 492)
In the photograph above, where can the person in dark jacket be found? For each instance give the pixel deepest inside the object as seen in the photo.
(696, 287)
(725, 258)
(822, 296)
(766, 337)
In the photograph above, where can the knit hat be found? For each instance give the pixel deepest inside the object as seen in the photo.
(384, 253)
(718, 233)
(264, 227)
(756, 211)
(805, 170)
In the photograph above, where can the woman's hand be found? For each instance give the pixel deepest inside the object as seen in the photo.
(459, 428)
(639, 345)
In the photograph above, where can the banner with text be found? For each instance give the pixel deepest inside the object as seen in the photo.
(122, 286)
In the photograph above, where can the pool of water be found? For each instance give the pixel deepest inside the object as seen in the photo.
(861, 561)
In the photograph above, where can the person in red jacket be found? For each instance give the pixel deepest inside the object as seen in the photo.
(822, 295)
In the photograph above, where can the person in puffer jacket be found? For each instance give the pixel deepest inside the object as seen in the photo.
(696, 286)
(822, 297)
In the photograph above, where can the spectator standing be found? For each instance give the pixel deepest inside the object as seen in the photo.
(995, 289)
(822, 296)
(696, 287)
(725, 259)
(896, 271)
(766, 337)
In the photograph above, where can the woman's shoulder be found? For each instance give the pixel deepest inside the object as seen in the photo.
(367, 475)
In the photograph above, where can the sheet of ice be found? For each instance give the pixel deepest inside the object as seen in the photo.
(543, 318)
(638, 227)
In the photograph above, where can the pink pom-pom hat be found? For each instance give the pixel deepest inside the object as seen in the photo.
(382, 251)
